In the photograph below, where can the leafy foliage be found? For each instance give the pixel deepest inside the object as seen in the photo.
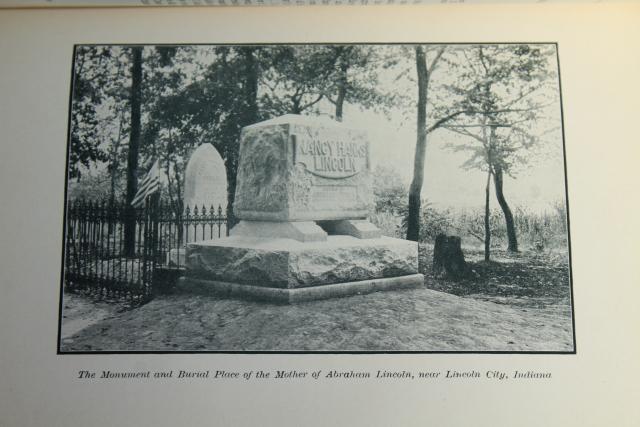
(390, 193)
(96, 75)
(94, 186)
(433, 221)
(503, 94)
(539, 231)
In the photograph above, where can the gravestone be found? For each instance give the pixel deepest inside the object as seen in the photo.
(205, 185)
(303, 192)
(205, 181)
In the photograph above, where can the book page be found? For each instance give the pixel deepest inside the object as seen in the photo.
(174, 3)
(78, 379)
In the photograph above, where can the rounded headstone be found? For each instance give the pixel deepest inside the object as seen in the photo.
(205, 180)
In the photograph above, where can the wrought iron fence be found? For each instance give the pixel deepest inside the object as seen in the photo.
(177, 229)
(97, 258)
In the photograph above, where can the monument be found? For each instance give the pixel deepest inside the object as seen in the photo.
(303, 193)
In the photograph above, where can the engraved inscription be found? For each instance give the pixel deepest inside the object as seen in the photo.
(331, 158)
(329, 197)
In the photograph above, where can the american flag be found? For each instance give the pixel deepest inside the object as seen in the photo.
(149, 185)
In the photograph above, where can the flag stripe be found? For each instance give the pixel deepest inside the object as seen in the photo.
(149, 185)
(139, 200)
(145, 185)
(146, 192)
(141, 197)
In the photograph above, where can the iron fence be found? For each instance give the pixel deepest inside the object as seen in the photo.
(98, 260)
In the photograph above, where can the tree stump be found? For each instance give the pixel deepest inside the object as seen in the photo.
(448, 259)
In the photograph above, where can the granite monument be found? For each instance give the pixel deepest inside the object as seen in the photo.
(303, 193)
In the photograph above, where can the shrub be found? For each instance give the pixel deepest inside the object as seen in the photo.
(389, 224)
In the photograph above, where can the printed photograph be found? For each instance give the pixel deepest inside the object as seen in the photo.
(343, 198)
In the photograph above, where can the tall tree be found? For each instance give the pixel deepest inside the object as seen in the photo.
(424, 73)
(504, 94)
(487, 193)
(415, 189)
(134, 145)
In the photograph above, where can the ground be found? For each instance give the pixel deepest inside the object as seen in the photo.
(516, 303)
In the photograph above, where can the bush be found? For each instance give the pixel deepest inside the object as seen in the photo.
(388, 223)
(535, 230)
(390, 193)
(433, 221)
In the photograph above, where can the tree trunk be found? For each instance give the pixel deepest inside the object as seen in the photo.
(112, 185)
(342, 89)
(415, 190)
(249, 116)
(250, 86)
(134, 146)
(487, 224)
(448, 259)
(114, 163)
(508, 216)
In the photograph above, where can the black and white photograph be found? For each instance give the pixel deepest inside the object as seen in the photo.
(338, 198)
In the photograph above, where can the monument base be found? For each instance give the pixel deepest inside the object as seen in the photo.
(292, 296)
(287, 270)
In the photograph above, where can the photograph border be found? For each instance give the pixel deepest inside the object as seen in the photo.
(59, 351)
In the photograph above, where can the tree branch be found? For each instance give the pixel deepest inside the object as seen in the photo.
(434, 62)
(304, 107)
(464, 133)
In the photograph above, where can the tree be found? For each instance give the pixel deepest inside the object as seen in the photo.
(504, 93)
(99, 117)
(354, 78)
(167, 136)
(297, 79)
(134, 145)
(294, 79)
(118, 120)
(212, 108)
(91, 73)
(424, 73)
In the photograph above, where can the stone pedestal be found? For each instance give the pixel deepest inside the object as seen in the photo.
(286, 270)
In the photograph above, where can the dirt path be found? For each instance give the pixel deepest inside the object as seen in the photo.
(81, 312)
(416, 320)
